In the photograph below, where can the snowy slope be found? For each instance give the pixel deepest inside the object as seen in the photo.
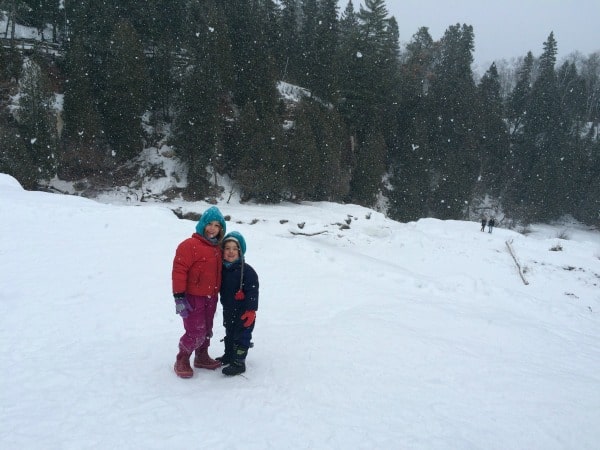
(383, 335)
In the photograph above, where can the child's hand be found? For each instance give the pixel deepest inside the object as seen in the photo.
(182, 307)
(249, 317)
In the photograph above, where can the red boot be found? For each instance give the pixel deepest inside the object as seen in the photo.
(182, 365)
(203, 361)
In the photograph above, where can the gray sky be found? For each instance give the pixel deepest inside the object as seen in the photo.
(503, 28)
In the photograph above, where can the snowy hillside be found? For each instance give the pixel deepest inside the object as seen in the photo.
(370, 333)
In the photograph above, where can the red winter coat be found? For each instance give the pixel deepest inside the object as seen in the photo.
(197, 267)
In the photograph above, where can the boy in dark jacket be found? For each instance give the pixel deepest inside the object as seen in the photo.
(239, 297)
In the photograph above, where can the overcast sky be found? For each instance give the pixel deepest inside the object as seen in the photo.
(503, 28)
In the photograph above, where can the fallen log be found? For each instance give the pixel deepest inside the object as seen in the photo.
(512, 253)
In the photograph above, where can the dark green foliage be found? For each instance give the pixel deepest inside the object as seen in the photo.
(492, 136)
(10, 64)
(370, 155)
(518, 102)
(261, 169)
(454, 142)
(36, 122)
(372, 112)
(411, 161)
(544, 142)
(83, 135)
(254, 67)
(289, 49)
(15, 159)
(124, 99)
(206, 81)
(318, 160)
(368, 78)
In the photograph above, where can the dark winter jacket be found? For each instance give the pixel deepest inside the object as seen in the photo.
(197, 267)
(230, 284)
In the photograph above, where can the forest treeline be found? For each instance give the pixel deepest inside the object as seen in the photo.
(412, 125)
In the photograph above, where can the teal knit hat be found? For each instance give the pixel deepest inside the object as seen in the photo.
(212, 214)
(236, 237)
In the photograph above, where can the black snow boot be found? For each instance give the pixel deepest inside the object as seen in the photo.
(228, 356)
(238, 363)
(225, 359)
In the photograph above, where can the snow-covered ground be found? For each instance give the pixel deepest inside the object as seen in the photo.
(381, 335)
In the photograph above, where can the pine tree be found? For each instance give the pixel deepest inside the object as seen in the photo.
(493, 136)
(375, 81)
(15, 159)
(350, 64)
(261, 172)
(412, 168)
(518, 103)
(455, 140)
(197, 133)
(290, 50)
(125, 97)
(302, 155)
(367, 175)
(544, 142)
(334, 164)
(37, 122)
(254, 66)
(86, 149)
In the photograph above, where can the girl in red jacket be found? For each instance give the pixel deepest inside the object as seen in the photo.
(196, 279)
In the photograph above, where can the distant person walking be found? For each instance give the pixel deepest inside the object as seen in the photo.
(483, 223)
(491, 224)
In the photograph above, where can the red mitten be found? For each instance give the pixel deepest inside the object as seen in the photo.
(249, 317)
(239, 295)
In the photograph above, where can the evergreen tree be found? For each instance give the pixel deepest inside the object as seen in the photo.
(124, 99)
(454, 140)
(493, 136)
(518, 103)
(318, 164)
(11, 62)
(254, 66)
(591, 74)
(544, 142)
(334, 165)
(261, 172)
(84, 138)
(302, 154)
(367, 175)
(290, 50)
(86, 148)
(40, 13)
(521, 146)
(163, 36)
(350, 65)
(375, 81)
(319, 45)
(15, 159)
(37, 122)
(368, 90)
(197, 133)
(572, 94)
(412, 161)
(326, 40)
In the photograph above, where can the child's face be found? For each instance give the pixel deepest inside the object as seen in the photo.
(231, 251)
(212, 229)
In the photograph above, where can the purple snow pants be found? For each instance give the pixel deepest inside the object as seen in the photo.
(199, 323)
